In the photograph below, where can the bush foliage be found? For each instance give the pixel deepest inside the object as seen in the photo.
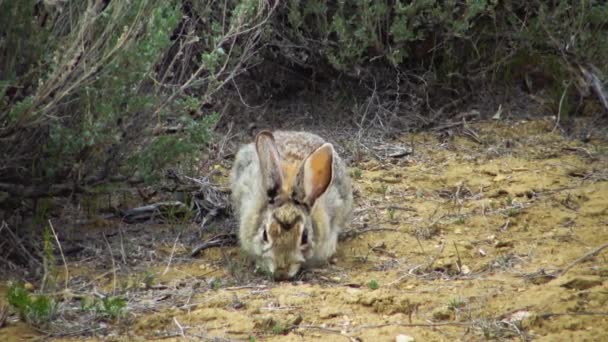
(453, 39)
(93, 90)
(36, 310)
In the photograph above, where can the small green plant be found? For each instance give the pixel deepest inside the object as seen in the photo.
(357, 173)
(109, 308)
(505, 261)
(48, 260)
(37, 310)
(112, 307)
(149, 279)
(88, 303)
(459, 220)
(455, 304)
(391, 213)
(509, 201)
(216, 283)
(279, 329)
(177, 215)
(382, 189)
(512, 212)
(373, 284)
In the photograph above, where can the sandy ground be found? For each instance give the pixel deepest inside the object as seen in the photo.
(461, 241)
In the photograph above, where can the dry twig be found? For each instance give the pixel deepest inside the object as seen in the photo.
(65, 264)
(583, 258)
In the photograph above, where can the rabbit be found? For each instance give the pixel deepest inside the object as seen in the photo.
(291, 195)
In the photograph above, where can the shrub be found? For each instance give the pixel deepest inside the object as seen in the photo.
(36, 310)
(453, 35)
(92, 92)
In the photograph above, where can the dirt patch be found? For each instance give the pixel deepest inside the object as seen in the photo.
(465, 239)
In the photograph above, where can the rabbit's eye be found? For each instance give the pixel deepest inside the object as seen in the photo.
(304, 240)
(296, 200)
(265, 236)
(271, 194)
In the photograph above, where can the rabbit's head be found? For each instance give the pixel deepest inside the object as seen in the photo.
(292, 186)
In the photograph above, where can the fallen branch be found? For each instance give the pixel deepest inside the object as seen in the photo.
(410, 325)
(149, 212)
(377, 326)
(216, 241)
(172, 253)
(21, 251)
(583, 258)
(65, 264)
(22, 191)
(581, 313)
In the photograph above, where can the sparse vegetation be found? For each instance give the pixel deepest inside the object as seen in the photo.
(112, 307)
(215, 284)
(37, 310)
(455, 304)
(459, 220)
(391, 213)
(279, 329)
(108, 308)
(382, 189)
(148, 279)
(512, 212)
(373, 284)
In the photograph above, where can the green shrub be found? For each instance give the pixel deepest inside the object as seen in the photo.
(373, 284)
(94, 90)
(37, 310)
(362, 30)
(111, 308)
(453, 41)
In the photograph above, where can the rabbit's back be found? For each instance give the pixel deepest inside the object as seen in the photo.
(296, 146)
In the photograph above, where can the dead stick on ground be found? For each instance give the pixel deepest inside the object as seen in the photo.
(377, 326)
(179, 326)
(317, 327)
(583, 258)
(559, 109)
(459, 263)
(18, 243)
(429, 325)
(172, 252)
(65, 264)
(583, 313)
(113, 264)
(122, 246)
(420, 244)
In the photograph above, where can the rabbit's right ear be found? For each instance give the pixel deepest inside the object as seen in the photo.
(270, 163)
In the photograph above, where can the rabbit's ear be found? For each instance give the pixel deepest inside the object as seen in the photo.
(316, 173)
(270, 163)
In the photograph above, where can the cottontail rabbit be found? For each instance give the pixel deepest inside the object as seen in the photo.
(291, 195)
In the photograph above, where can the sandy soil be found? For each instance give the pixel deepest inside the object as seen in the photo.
(461, 241)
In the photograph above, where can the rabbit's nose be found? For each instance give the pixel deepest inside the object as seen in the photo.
(281, 275)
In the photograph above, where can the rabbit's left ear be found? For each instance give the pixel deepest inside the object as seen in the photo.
(316, 173)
